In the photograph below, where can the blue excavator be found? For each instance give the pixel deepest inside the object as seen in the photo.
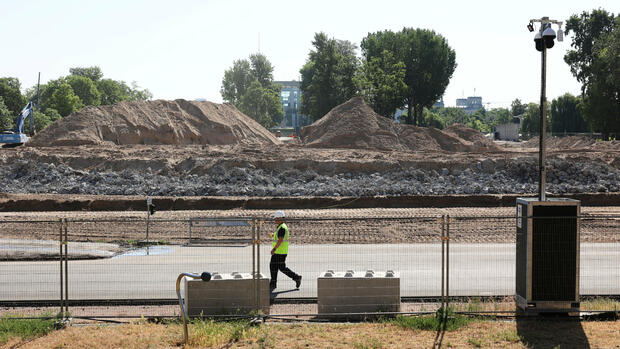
(16, 136)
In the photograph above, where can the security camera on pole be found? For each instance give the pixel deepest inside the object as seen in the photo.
(544, 39)
(547, 253)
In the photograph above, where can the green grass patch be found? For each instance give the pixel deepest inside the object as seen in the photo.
(475, 342)
(442, 320)
(601, 304)
(15, 326)
(211, 333)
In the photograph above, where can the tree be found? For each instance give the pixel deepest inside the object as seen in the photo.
(601, 101)
(566, 115)
(327, 77)
(261, 69)
(429, 64)
(64, 100)
(498, 116)
(6, 117)
(84, 88)
(137, 94)
(112, 91)
(431, 119)
(236, 81)
(381, 83)
(262, 104)
(517, 108)
(587, 29)
(93, 73)
(530, 125)
(249, 86)
(10, 91)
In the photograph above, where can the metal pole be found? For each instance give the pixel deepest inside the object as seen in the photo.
(254, 275)
(66, 268)
(183, 313)
(443, 256)
(60, 259)
(447, 262)
(148, 222)
(542, 171)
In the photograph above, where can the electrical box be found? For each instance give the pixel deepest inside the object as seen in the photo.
(547, 255)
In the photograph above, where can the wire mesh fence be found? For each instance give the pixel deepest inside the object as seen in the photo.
(473, 260)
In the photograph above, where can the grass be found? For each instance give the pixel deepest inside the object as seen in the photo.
(211, 333)
(601, 304)
(15, 326)
(442, 320)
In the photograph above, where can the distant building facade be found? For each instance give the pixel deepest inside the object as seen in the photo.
(469, 104)
(290, 96)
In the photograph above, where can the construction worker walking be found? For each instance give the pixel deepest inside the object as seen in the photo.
(279, 251)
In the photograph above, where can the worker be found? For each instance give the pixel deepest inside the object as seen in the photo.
(279, 251)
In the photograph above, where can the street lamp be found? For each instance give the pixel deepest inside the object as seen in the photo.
(544, 39)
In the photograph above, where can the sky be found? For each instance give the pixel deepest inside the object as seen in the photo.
(181, 49)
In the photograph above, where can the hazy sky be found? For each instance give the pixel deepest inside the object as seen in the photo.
(180, 49)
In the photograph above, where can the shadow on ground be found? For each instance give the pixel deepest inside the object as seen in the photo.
(552, 332)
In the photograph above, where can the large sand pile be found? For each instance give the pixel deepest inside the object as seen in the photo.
(155, 122)
(354, 124)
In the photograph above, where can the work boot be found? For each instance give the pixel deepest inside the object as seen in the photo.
(298, 282)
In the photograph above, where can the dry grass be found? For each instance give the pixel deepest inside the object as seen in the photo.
(485, 334)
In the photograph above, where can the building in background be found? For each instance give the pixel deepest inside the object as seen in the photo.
(469, 104)
(290, 96)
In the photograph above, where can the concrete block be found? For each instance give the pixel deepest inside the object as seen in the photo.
(227, 294)
(353, 291)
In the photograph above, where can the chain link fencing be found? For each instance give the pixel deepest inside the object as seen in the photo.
(114, 268)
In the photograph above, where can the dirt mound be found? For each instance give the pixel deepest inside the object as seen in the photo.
(574, 142)
(477, 139)
(155, 122)
(354, 124)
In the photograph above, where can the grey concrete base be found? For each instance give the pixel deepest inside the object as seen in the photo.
(227, 294)
(358, 292)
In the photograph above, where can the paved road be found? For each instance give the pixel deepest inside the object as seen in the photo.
(475, 269)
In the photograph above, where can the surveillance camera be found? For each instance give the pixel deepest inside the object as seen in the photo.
(548, 37)
(538, 41)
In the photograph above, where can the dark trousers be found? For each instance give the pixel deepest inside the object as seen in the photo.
(278, 263)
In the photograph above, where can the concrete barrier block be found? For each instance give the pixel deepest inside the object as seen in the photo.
(354, 291)
(227, 294)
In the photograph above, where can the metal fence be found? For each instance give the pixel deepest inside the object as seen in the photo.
(88, 264)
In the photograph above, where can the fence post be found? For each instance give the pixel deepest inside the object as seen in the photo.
(66, 267)
(447, 261)
(443, 256)
(60, 225)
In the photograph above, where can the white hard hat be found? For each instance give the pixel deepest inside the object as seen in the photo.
(278, 214)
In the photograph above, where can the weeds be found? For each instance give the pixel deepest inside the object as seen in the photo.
(212, 333)
(13, 326)
(444, 320)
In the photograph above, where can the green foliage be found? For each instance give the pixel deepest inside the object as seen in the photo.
(209, 333)
(517, 108)
(15, 327)
(530, 126)
(10, 91)
(236, 81)
(381, 83)
(112, 91)
(431, 119)
(6, 118)
(262, 104)
(64, 100)
(85, 89)
(586, 29)
(92, 73)
(595, 62)
(249, 86)
(444, 320)
(429, 64)
(601, 103)
(327, 77)
(137, 94)
(566, 115)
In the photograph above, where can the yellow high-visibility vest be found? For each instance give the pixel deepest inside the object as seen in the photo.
(283, 248)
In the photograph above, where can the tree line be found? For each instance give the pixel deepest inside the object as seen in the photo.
(410, 69)
(65, 95)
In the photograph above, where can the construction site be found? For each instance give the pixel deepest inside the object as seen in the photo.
(361, 193)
